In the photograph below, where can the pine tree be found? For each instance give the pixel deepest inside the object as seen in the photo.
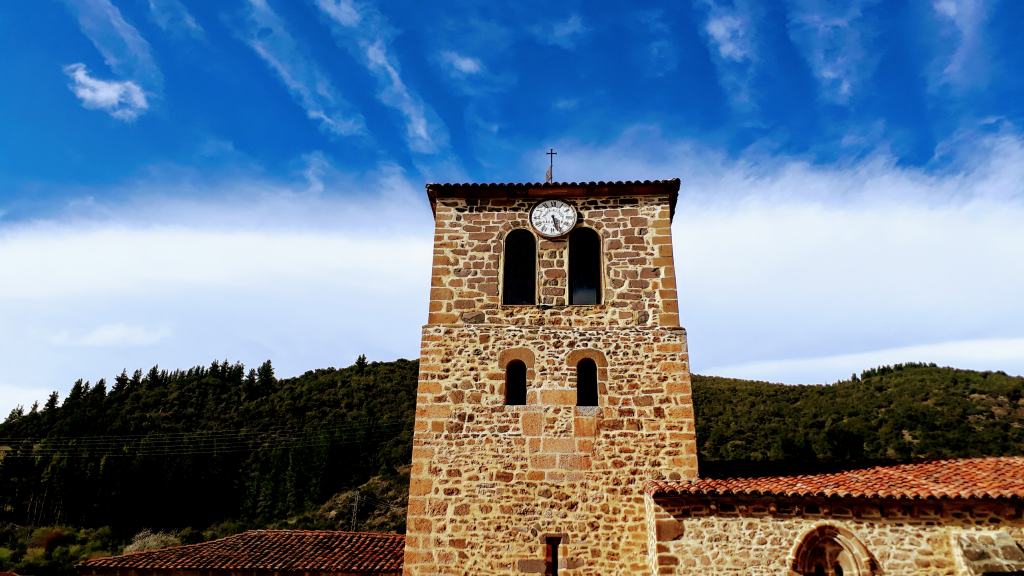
(99, 392)
(120, 382)
(265, 379)
(51, 402)
(16, 414)
(76, 394)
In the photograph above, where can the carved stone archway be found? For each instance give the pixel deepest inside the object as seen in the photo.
(831, 551)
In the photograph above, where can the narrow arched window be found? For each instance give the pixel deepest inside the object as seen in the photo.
(584, 267)
(586, 383)
(519, 275)
(515, 383)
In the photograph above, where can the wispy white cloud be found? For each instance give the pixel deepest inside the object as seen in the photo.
(423, 135)
(309, 85)
(459, 64)
(366, 32)
(123, 100)
(124, 50)
(343, 12)
(834, 41)
(217, 147)
(662, 55)
(963, 21)
(730, 31)
(808, 278)
(658, 56)
(562, 33)
(981, 354)
(112, 336)
(482, 35)
(470, 76)
(317, 168)
(788, 270)
(481, 32)
(566, 103)
(174, 17)
(779, 258)
(169, 258)
(186, 271)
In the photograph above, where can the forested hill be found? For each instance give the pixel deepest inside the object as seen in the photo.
(212, 450)
(192, 448)
(895, 413)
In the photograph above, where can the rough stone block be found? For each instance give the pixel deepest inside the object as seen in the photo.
(532, 423)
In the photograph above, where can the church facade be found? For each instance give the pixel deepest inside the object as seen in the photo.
(554, 427)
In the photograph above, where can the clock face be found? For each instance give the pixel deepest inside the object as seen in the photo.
(553, 218)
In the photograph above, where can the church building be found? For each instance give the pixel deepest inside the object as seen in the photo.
(554, 425)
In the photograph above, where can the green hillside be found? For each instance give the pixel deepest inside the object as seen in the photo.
(213, 450)
(203, 452)
(895, 413)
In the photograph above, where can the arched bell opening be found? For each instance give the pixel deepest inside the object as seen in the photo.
(519, 268)
(585, 268)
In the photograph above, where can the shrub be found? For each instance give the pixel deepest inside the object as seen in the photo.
(149, 540)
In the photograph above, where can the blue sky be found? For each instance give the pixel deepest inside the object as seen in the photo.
(182, 180)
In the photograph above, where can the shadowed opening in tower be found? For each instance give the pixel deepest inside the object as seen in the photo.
(519, 284)
(584, 267)
(586, 383)
(515, 383)
(551, 555)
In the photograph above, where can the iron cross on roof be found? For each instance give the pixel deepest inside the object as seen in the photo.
(551, 164)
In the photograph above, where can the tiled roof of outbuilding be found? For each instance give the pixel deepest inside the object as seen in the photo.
(968, 478)
(275, 551)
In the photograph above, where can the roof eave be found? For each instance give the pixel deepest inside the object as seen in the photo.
(510, 190)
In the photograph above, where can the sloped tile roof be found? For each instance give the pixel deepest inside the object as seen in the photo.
(673, 182)
(554, 190)
(272, 550)
(968, 478)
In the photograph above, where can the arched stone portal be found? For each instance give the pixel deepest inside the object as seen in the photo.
(832, 551)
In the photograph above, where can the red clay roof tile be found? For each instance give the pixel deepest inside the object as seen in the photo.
(273, 550)
(671, 183)
(554, 189)
(967, 478)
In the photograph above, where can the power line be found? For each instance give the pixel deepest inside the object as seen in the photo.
(356, 424)
(200, 442)
(378, 503)
(202, 446)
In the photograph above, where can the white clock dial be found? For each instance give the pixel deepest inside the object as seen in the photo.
(553, 218)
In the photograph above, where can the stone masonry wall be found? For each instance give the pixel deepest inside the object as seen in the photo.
(759, 536)
(639, 289)
(489, 482)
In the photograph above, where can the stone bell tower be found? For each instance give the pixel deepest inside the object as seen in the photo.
(554, 380)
